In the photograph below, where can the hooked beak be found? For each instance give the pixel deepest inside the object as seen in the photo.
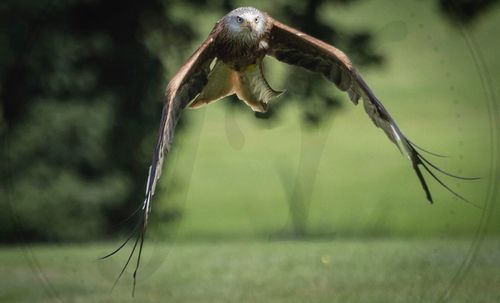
(249, 25)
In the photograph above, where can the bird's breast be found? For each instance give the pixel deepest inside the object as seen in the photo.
(239, 56)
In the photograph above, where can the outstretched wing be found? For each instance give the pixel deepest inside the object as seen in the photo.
(181, 90)
(294, 47)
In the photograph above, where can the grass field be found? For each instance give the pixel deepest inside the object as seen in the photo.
(369, 270)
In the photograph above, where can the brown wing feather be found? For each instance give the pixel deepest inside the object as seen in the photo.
(297, 48)
(294, 47)
(183, 88)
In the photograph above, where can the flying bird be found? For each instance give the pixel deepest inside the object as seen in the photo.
(229, 62)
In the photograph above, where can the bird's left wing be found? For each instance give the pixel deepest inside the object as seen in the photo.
(181, 90)
(294, 47)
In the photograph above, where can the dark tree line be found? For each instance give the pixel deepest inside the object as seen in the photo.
(81, 96)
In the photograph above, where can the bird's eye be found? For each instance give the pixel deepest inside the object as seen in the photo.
(256, 19)
(239, 19)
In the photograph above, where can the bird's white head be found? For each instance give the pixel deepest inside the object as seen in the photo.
(245, 23)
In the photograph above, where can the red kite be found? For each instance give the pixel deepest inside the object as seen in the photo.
(229, 62)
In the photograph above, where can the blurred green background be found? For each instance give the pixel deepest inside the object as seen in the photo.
(81, 86)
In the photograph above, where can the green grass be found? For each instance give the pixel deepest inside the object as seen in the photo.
(376, 270)
(225, 172)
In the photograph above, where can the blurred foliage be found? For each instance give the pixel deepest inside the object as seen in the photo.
(81, 86)
(80, 93)
(465, 11)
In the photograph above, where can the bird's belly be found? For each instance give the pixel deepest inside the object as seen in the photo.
(248, 83)
(241, 64)
(239, 59)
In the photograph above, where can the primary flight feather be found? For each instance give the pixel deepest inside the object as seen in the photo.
(229, 62)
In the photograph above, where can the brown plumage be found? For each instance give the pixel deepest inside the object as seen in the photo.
(237, 44)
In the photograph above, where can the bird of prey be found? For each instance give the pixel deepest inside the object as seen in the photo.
(229, 62)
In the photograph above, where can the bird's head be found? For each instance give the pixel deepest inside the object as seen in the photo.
(245, 23)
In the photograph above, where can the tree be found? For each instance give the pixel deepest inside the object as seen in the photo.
(81, 96)
(78, 101)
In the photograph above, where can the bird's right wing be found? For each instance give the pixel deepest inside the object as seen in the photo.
(294, 47)
(181, 90)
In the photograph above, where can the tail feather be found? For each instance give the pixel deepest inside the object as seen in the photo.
(425, 150)
(420, 161)
(382, 119)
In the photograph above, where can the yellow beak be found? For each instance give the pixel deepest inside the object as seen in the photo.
(249, 25)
